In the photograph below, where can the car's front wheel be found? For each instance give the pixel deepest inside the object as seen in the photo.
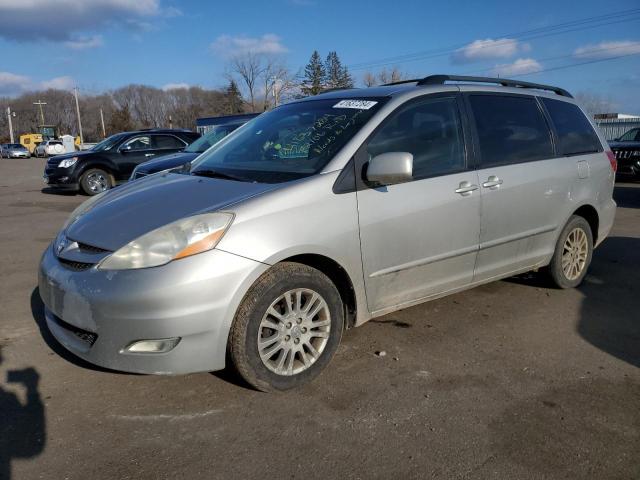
(95, 181)
(573, 253)
(287, 327)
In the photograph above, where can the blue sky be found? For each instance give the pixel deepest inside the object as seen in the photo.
(103, 44)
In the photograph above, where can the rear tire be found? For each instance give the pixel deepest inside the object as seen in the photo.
(95, 181)
(287, 328)
(573, 253)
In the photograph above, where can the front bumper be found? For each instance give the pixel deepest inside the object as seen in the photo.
(19, 155)
(95, 314)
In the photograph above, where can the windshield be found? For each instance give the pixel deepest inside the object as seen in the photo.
(108, 143)
(631, 135)
(290, 142)
(15, 145)
(211, 138)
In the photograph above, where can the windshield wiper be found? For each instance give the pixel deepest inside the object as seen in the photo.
(205, 172)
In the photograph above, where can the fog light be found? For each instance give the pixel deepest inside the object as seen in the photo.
(161, 345)
(64, 179)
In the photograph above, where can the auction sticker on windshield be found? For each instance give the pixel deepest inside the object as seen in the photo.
(359, 104)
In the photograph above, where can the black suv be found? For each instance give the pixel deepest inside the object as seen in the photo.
(627, 151)
(111, 161)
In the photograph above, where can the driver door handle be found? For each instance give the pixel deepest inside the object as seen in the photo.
(149, 154)
(492, 182)
(465, 188)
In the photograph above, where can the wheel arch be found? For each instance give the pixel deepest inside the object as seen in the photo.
(338, 275)
(590, 214)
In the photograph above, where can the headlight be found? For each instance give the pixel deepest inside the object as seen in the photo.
(82, 209)
(180, 239)
(68, 162)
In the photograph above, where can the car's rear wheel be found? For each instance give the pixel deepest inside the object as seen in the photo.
(95, 181)
(287, 327)
(573, 253)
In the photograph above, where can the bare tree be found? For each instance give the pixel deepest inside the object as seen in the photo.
(369, 79)
(395, 75)
(249, 67)
(277, 81)
(595, 103)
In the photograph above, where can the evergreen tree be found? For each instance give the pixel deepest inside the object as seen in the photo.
(233, 98)
(337, 75)
(314, 75)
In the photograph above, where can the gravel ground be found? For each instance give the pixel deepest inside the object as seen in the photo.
(509, 380)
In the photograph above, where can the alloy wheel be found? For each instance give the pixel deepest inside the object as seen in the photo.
(294, 331)
(574, 253)
(97, 182)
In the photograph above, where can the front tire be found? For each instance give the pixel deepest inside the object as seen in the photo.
(573, 254)
(95, 181)
(287, 328)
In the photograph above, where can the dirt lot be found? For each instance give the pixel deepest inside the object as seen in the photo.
(510, 380)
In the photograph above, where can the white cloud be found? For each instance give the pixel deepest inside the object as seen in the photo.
(10, 83)
(58, 83)
(14, 84)
(60, 20)
(84, 43)
(228, 46)
(175, 86)
(521, 66)
(488, 49)
(607, 50)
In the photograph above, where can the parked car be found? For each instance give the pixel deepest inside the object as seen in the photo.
(111, 161)
(14, 150)
(48, 148)
(322, 214)
(627, 151)
(213, 136)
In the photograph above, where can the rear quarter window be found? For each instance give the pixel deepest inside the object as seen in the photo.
(575, 133)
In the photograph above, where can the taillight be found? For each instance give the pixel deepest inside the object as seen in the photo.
(612, 160)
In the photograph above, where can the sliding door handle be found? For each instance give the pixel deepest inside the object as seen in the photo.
(465, 188)
(492, 182)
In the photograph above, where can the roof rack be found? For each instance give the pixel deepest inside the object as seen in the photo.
(441, 79)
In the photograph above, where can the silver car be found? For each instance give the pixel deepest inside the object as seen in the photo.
(14, 150)
(322, 214)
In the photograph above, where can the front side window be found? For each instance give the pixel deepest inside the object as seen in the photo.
(430, 130)
(167, 142)
(138, 143)
(575, 133)
(292, 141)
(511, 129)
(210, 138)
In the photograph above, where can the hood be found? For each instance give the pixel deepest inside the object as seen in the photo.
(619, 145)
(165, 162)
(56, 159)
(127, 212)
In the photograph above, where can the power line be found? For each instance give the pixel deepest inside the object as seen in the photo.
(566, 27)
(562, 67)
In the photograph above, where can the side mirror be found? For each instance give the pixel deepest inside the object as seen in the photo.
(390, 168)
(125, 149)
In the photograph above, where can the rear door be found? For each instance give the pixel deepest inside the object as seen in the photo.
(166, 144)
(524, 186)
(421, 237)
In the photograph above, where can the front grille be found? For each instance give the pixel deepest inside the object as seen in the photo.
(85, 335)
(624, 154)
(90, 248)
(76, 266)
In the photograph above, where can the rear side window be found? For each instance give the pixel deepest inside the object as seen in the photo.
(511, 129)
(167, 141)
(575, 133)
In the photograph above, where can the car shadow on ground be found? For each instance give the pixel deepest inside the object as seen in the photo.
(37, 311)
(610, 311)
(627, 196)
(22, 425)
(62, 193)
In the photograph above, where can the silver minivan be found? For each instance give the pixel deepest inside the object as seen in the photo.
(322, 214)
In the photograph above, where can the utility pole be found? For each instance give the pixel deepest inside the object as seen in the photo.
(75, 92)
(170, 123)
(104, 132)
(9, 113)
(40, 103)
